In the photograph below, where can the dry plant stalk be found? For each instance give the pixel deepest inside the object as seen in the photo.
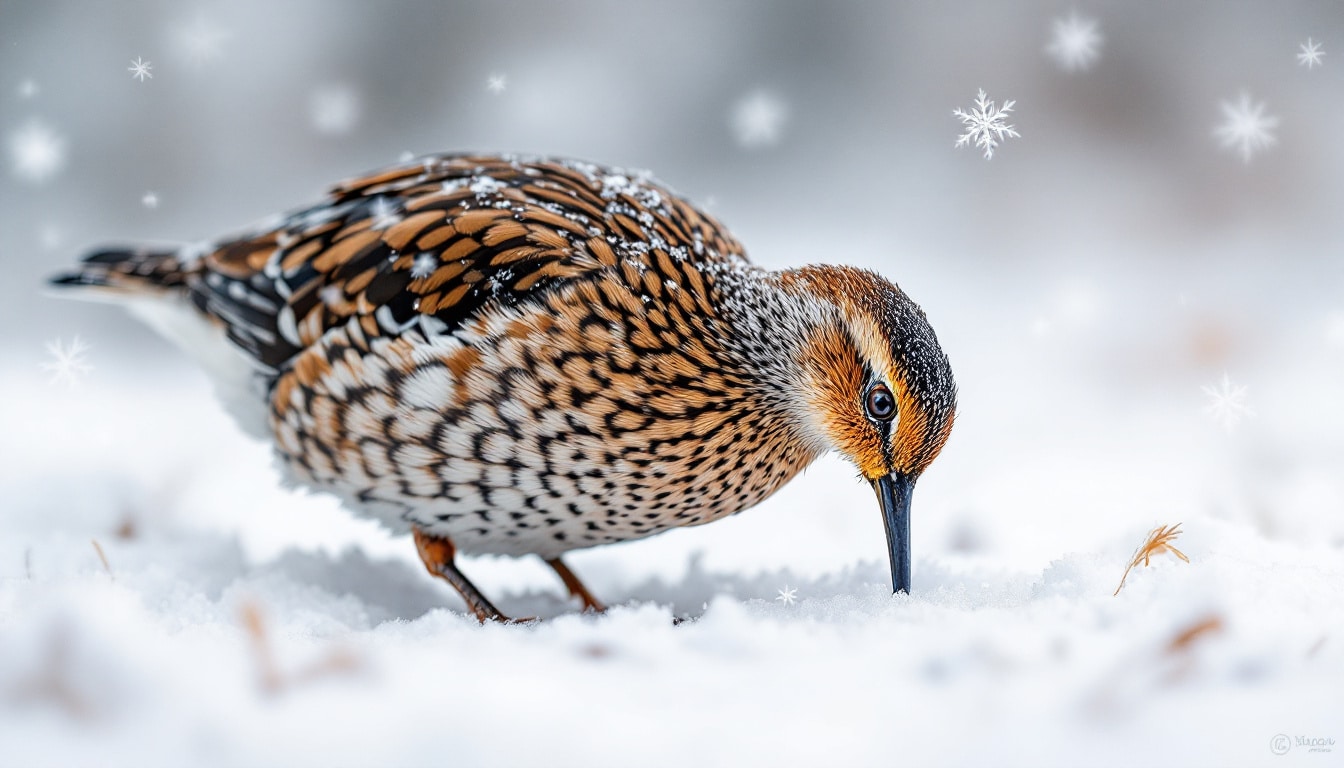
(272, 680)
(1158, 541)
(1211, 624)
(102, 557)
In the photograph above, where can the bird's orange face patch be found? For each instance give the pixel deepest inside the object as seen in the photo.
(837, 388)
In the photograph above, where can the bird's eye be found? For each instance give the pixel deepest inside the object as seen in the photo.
(880, 404)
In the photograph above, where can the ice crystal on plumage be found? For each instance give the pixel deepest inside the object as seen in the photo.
(1227, 403)
(787, 596)
(139, 69)
(67, 365)
(1311, 54)
(384, 214)
(1245, 127)
(758, 119)
(424, 265)
(37, 152)
(497, 83)
(986, 125)
(1075, 42)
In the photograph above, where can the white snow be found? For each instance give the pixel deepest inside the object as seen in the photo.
(986, 124)
(1075, 42)
(357, 657)
(36, 151)
(1227, 403)
(758, 119)
(68, 364)
(1310, 54)
(1245, 127)
(140, 69)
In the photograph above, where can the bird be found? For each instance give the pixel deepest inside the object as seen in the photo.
(528, 355)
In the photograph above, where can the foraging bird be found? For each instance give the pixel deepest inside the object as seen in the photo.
(530, 356)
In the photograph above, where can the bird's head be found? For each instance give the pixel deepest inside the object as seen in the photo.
(875, 386)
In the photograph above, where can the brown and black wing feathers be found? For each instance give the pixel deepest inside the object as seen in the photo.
(430, 243)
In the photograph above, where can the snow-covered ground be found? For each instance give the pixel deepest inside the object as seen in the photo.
(235, 623)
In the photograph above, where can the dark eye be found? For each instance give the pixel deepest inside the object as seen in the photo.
(880, 404)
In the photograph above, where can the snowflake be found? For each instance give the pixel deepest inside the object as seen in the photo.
(758, 119)
(1246, 127)
(384, 214)
(1075, 42)
(139, 69)
(424, 265)
(150, 200)
(986, 125)
(787, 596)
(200, 41)
(1311, 54)
(496, 83)
(37, 151)
(1227, 403)
(334, 109)
(68, 364)
(28, 89)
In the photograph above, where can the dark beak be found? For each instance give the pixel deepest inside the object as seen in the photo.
(893, 493)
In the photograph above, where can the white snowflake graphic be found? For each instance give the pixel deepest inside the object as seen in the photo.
(150, 200)
(334, 109)
(1245, 127)
(1075, 42)
(67, 365)
(139, 69)
(36, 151)
(200, 41)
(424, 265)
(758, 119)
(28, 89)
(496, 83)
(1227, 403)
(384, 214)
(986, 125)
(787, 596)
(1311, 54)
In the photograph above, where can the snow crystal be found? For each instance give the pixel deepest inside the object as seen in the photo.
(1310, 55)
(150, 200)
(140, 70)
(334, 109)
(36, 151)
(1227, 403)
(384, 214)
(788, 596)
(482, 186)
(1075, 42)
(758, 119)
(424, 265)
(496, 83)
(1245, 127)
(68, 365)
(986, 125)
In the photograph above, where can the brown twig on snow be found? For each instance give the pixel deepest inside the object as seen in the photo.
(1158, 541)
(102, 557)
(1208, 625)
(273, 681)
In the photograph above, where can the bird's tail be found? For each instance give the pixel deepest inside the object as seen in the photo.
(128, 271)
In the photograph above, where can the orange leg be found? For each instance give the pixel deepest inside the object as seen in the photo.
(438, 554)
(576, 588)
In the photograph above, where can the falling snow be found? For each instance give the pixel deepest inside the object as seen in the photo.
(497, 83)
(1311, 54)
(37, 152)
(334, 109)
(1227, 403)
(67, 365)
(140, 70)
(787, 596)
(150, 200)
(758, 120)
(1245, 127)
(1075, 42)
(986, 125)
